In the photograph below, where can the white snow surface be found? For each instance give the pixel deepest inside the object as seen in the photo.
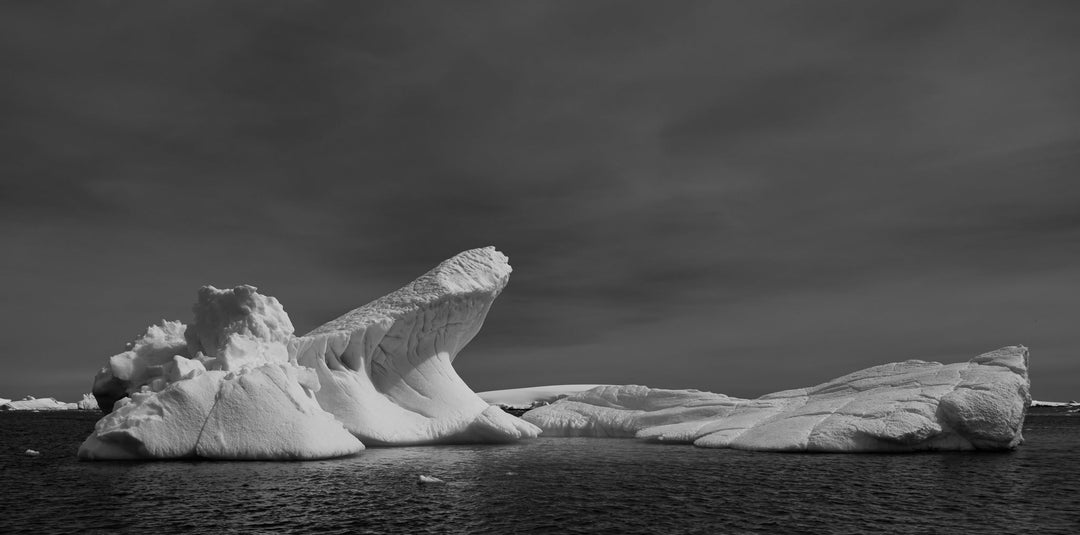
(906, 406)
(524, 398)
(237, 384)
(386, 368)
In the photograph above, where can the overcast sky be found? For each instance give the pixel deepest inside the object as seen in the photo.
(740, 197)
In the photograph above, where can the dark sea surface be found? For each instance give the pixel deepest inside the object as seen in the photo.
(554, 485)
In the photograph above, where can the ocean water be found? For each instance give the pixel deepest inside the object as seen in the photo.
(542, 486)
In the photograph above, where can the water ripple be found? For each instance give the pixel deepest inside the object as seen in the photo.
(570, 485)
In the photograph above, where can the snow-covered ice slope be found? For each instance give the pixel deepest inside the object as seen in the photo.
(386, 368)
(223, 388)
(905, 406)
(523, 398)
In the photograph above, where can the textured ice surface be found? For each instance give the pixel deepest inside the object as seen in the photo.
(905, 406)
(265, 412)
(386, 368)
(523, 398)
(223, 388)
(237, 384)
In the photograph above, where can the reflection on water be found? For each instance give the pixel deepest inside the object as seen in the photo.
(573, 485)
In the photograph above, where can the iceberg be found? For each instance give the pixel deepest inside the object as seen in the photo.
(238, 384)
(87, 403)
(1037, 403)
(222, 388)
(386, 368)
(906, 406)
(30, 403)
(526, 398)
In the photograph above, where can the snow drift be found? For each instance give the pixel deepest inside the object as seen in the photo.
(906, 406)
(237, 383)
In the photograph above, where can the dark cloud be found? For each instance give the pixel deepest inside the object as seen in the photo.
(733, 196)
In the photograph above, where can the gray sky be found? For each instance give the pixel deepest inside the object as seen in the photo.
(733, 196)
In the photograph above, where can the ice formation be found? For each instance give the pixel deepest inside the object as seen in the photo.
(386, 368)
(524, 398)
(30, 403)
(1036, 403)
(237, 384)
(906, 406)
(223, 388)
(87, 403)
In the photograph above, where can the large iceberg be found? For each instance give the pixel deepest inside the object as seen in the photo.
(906, 406)
(237, 383)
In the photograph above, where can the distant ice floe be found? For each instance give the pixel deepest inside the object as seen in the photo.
(30, 403)
(87, 403)
(1037, 403)
(525, 398)
(905, 406)
(237, 384)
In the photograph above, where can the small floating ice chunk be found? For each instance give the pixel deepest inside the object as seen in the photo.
(429, 479)
(32, 453)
